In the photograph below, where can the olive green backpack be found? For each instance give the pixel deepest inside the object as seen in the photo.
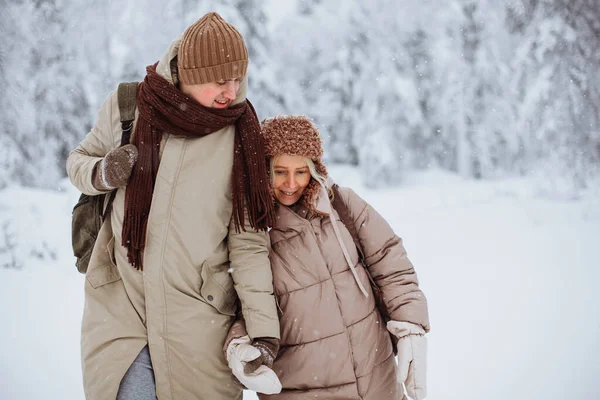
(91, 211)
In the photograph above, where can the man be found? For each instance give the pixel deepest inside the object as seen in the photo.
(186, 235)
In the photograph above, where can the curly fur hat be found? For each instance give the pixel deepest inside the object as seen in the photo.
(298, 136)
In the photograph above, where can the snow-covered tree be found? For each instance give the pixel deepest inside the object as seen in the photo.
(481, 87)
(249, 17)
(556, 75)
(60, 106)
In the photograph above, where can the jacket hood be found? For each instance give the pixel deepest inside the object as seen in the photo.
(320, 201)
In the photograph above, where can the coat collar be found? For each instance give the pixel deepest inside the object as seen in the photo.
(288, 220)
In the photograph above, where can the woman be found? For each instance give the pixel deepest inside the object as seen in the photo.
(334, 344)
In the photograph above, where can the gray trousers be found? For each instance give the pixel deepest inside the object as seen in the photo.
(138, 382)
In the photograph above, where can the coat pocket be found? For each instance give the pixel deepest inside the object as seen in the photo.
(106, 272)
(217, 287)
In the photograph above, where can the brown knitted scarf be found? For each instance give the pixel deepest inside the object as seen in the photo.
(163, 107)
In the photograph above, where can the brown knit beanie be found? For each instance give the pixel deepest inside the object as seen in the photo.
(211, 50)
(297, 136)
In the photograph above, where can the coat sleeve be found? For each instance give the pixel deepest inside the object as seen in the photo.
(388, 263)
(253, 280)
(99, 141)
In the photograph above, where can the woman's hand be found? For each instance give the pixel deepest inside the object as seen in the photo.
(412, 358)
(240, 352)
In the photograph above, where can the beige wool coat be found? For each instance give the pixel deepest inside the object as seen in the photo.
(195, 267)
(334, 344)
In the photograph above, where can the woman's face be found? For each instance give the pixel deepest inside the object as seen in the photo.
(290, 178)
(213, 94)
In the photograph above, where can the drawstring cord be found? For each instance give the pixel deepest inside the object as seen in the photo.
(338, 235)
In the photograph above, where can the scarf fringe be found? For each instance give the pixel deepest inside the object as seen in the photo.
(163, 107)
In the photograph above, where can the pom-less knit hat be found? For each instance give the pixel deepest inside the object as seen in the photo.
(297, 136)
(211, 50)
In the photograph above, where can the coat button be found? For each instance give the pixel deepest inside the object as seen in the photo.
(209, 297)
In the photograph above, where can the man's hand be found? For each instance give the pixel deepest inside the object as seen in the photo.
(114, 170)
(268, 347)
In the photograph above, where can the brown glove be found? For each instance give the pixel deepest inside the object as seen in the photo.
(114, 170)
(268, 347)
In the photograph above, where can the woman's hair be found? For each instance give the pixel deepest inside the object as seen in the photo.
(312, 169)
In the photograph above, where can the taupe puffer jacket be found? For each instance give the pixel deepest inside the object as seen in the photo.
(334, 344)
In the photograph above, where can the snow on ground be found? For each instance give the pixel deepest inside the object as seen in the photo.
(510, 278)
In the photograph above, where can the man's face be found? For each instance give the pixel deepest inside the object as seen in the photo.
(213, 94)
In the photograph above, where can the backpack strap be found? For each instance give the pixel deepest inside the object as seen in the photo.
(127, 101)
(344, 213)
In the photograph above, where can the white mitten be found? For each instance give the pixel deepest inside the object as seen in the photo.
(412, 357)
(263, 380)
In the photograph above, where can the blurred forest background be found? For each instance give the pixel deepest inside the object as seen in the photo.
(484, 88)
